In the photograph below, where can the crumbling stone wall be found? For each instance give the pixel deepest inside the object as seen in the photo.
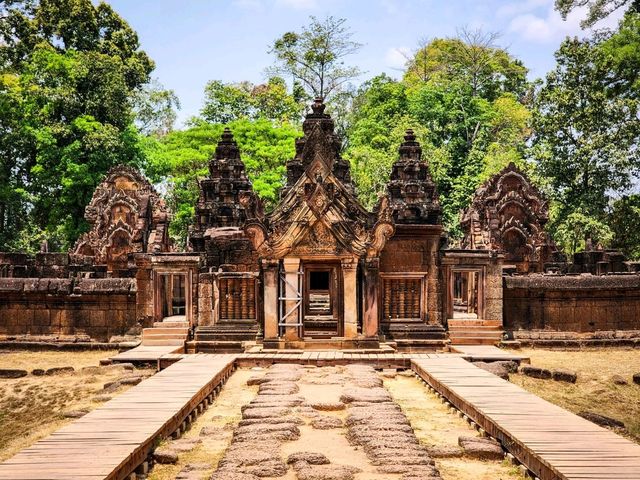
(98, 308)
(574, 303)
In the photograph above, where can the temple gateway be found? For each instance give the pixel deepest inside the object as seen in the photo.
(318, 271)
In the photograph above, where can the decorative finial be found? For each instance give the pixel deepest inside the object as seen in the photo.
(227, 135)
(409, 136)
(318, 106)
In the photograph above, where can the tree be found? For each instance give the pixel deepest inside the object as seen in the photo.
(229, 102)
(155, 109)
(472, 58)
(68, 71)
(597, 9)
(180, 158)
(585, 139)
(624, 220)
(315, 56)
(464, 97)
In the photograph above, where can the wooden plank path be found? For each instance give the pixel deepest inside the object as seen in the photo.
(113, 440)
(552, 442)
(487, 353)
(145, 353)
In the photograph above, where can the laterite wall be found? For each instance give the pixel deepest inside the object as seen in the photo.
(574, 303)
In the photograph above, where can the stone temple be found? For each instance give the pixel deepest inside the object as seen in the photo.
(319, 271)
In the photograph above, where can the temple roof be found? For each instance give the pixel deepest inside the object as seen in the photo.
(412, 191)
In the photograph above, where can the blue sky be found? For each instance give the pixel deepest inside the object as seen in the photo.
(194, 41)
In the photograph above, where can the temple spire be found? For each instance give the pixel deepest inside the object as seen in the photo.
(412, 191)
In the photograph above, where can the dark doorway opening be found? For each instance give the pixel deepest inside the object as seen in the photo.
(321, 301)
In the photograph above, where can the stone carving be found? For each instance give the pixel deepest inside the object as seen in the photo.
(226, 197)
(412, 191)
(318, 212)
(508, 214)
(127, 216)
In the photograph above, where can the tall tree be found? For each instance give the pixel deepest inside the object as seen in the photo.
(226, 102)
(68, 73)
(464, 97)
(315, 56)
(155, 109)
(472, 57)
(596, 9)
(585, 139)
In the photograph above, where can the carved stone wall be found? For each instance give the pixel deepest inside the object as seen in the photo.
(509, 214)
(126, 215)
(66, 308)
(225, 202)
(412, 191)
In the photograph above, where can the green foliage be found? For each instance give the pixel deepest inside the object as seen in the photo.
(472, 59)
(228, 102)
(571, 235)
(462, 96)
(155, 109)
(597, 9)
(585, 138)
(179, 159)
(624, 221)
(315, 56)
(68, 72)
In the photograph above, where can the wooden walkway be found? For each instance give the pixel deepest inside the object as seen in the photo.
(487, 353)
(145, 353)
(552, 442)
(113, 440)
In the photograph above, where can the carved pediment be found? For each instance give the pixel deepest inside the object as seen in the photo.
(319, 214)
(126, 214)
(508, 214)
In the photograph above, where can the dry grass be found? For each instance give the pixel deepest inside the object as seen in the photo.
(594, 390)
(224, 413)
(32, 407)
(434, 425)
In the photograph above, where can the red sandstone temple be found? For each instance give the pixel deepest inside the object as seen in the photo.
(319, 271)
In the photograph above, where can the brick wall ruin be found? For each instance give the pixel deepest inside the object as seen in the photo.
(89, 308)
(572, 303)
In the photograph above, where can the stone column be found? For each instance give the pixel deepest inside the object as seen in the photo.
(292, 269)
(371, 316)
(270, 298)
(350, 300)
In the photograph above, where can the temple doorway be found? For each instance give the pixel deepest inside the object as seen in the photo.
(464, 297)
(173, 295)
(322, 300)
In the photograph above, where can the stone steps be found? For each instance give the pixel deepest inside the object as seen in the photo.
(475, 332)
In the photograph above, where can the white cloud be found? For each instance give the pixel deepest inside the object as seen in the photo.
(397, 57)
(549, 27)
(298, 4)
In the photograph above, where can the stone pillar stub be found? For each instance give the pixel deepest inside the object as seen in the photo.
(350, 298)
(292, 269)
(371, 316)
(270, 298)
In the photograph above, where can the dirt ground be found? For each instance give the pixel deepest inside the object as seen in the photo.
(434, 425)
(223, 415)
(594, 390)
(315, 393)
(32, 407)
